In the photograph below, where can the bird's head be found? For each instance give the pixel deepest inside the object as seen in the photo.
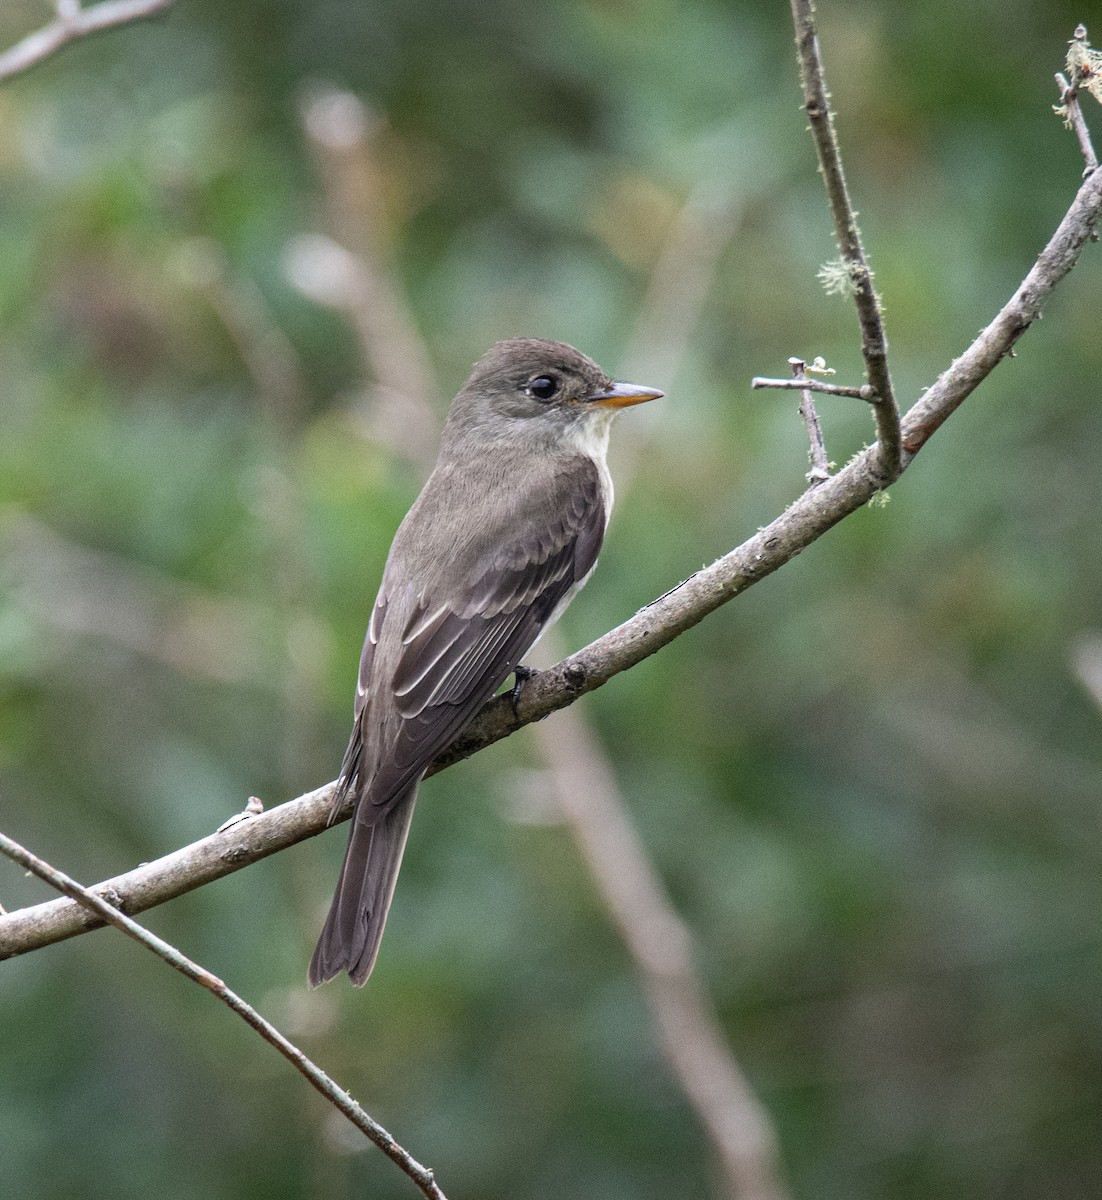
(540, 392)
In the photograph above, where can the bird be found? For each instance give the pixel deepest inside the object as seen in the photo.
(504, 533)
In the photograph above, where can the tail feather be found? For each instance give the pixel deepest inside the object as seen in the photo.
(354, 928)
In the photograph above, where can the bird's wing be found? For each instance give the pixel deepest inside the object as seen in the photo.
(453, 652)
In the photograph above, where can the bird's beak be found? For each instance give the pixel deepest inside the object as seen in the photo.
(620, 395)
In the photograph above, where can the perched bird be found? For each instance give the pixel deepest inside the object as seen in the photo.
(504, 533)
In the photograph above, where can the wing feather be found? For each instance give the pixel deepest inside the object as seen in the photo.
(452, 652)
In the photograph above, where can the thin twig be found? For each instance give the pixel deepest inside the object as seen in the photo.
(874, 341)
(662, 950)
(1073, 116)
(74, 22)
(421, 1175)
(817, 455)
(995, 342)
(864, 392)
(1084, 67)
(659, 623)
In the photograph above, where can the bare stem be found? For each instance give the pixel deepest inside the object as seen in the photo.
(422, 1176)
(864, 392)
(874, 341)
(73, 22)
(817, 455)
(1073, 115)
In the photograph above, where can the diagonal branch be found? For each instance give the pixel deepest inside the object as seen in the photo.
(855, 268)
(817, 455)
(656, 625)
(422, 1176)
(73, 22)
(663, 953)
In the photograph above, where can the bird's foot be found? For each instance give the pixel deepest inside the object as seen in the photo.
(254, 808)
(521, 675)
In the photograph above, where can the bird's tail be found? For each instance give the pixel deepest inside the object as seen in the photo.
(354, 928)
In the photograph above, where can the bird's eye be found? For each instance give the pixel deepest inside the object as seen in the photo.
(543, 387)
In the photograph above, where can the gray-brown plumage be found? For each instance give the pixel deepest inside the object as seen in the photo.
(505, 531)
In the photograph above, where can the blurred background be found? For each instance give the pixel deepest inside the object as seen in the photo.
(249, 251)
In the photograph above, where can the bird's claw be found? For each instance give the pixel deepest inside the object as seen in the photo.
(521, 675)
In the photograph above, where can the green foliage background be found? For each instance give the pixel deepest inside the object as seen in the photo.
(872, 784)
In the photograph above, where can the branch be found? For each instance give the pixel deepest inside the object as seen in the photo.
(803, 522)
(1083, 66)
(816, 455)
(661, 947)
(656, 625)
(855, 271)
(1073, 118)
(422, 1176)
(798, 384)
(73, 22)
(165, 878)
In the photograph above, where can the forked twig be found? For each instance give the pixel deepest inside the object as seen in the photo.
(817, 454)
(1069, 102)
(864, 392)
(854, 269)
(804, 384)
